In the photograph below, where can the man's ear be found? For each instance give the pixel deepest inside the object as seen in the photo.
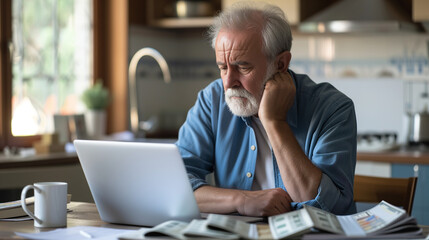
(282, 61)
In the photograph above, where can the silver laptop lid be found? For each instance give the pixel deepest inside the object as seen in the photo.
(137, 183)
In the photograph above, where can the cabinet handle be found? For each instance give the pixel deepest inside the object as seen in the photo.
(416, 170)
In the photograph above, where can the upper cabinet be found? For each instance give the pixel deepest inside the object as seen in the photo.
(295, 10)
(420, 10)
(174, 13)
(200, 13)
(290, 7)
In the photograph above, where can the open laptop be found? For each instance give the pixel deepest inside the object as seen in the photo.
(137, 183)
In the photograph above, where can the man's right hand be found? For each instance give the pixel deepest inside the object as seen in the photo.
(265, 202)
(250, 203)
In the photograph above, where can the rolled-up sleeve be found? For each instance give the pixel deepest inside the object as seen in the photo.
(334, 153)
(326, 194)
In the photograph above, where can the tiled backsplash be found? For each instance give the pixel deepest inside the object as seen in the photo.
(416, 67)
(376, 71)
(180, 70)
(362, 56)
(383, 74)
(335, 56)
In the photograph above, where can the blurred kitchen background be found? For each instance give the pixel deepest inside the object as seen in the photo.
(378, 56)
(384, 72)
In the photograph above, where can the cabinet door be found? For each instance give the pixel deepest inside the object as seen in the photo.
(290, 7)
(162, 13)
(420, 10)
(421, 197)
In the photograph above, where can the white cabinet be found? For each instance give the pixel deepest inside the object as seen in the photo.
(155, 13)
(290, 7)
(296, 10)
(420, 10)
(159, 14)
(376, 169)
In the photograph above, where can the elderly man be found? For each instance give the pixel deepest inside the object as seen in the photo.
(274, 139)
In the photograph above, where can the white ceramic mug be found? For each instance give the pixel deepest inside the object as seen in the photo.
(50, 204)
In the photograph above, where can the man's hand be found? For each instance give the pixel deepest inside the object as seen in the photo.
(265, 202)
(277, 98)
(250, 203)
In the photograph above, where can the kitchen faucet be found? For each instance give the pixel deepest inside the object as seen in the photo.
(136, 124)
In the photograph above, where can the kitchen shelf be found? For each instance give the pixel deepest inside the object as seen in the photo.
(401, 156)
(161, 14)
(38, 160)
(182, 22)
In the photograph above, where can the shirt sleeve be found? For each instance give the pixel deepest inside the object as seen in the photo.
(326, 190)
(335, 155)
(195, 143)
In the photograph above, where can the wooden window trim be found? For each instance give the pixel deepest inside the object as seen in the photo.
(111, 58)
(3, 66)
(7, 139)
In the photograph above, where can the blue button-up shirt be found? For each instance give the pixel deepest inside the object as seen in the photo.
(322, 119)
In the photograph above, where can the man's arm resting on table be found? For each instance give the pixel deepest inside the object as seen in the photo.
(250, 203)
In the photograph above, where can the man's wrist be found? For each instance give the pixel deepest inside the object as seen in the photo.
(273, 124)
(238, 200)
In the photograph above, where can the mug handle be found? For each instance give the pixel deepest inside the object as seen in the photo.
(24, 205)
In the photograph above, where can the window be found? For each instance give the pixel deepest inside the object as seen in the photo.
(51, 61)
(108, 60)
(46, 63)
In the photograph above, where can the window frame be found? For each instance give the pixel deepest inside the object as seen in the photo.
(6, 136)
(102, 10)
(7, 139)
(110, 63)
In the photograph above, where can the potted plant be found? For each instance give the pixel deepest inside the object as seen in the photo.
(96, 98)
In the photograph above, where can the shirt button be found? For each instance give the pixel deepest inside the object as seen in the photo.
(253, 147)
(249, 174)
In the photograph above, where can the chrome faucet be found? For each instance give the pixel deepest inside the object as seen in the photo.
(136, 124)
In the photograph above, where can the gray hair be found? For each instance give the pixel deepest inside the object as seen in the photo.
(275, 29)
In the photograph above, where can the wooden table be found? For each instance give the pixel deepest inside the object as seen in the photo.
(82, 214)
(86, 214)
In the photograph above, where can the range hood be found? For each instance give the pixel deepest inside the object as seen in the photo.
(349, 16)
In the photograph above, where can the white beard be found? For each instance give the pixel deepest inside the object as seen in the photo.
(241, 107)
(250, 105)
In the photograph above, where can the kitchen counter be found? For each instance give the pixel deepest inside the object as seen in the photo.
(39, 160)
(18, 171)
(403, 155)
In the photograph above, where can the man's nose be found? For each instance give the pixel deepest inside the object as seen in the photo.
(231, 79)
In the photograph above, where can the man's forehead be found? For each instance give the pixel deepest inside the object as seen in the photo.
(236, 43)
(237, 37)
(235, 55)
